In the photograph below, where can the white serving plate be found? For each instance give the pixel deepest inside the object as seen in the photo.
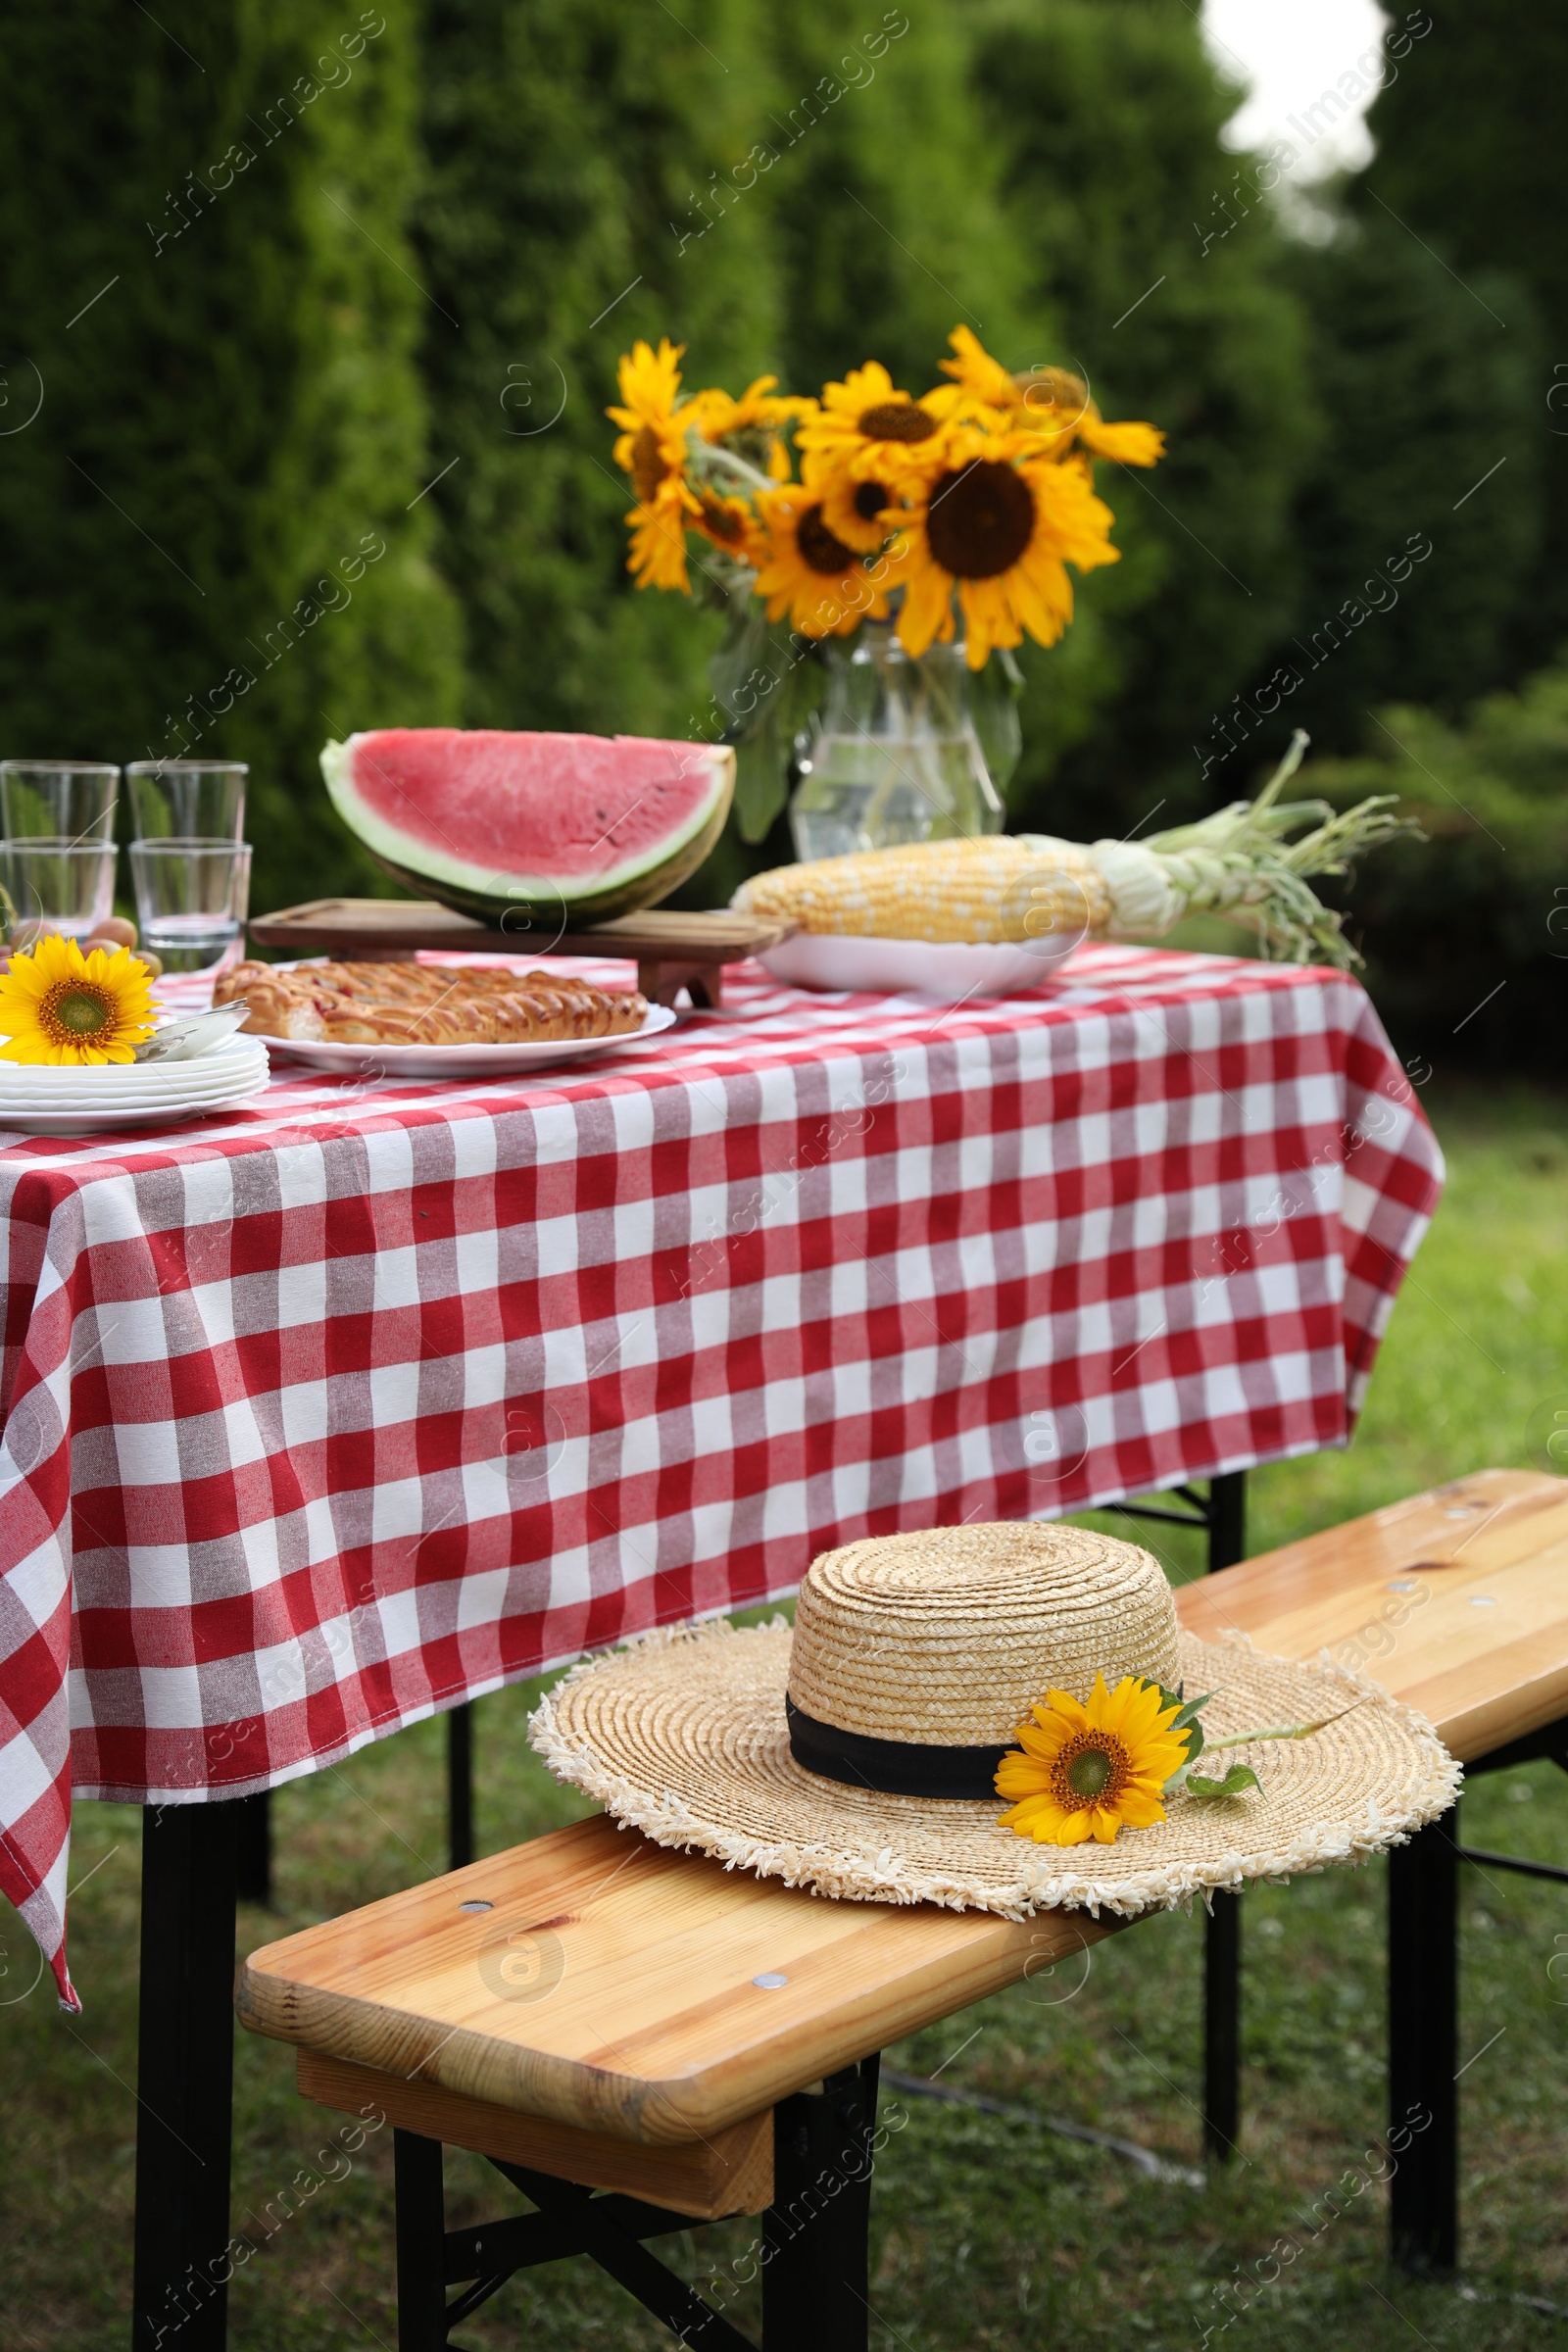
(951, 970)
(141, 1098)
(118, 1085)
(462, 1061)
(27, 1121)
(45, 1101)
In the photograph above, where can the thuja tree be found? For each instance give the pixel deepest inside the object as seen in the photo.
(210, 547)
(1107, 121)
(1431, 445)
(1469, 159)
(574, 148)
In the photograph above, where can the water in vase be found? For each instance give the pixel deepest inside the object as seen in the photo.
(894, 757)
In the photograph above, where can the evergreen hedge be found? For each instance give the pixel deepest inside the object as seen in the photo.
(203, 240)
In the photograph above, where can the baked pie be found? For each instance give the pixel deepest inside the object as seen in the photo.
(426, 1004)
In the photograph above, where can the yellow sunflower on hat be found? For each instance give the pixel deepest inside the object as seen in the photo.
(61, 1007)
(998, 524)
(1053, 401)
(809, 572)
(652, 448)
(868, 427)
(1089, 1771)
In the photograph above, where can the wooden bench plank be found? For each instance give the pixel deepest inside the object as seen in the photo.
(1455, 1600)
(732, 2172)
(653, 2027)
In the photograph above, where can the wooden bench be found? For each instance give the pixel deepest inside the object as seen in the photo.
(639, 2041)
(1456, 1602)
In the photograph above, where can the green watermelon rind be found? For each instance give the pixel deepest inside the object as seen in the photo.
(543, 899)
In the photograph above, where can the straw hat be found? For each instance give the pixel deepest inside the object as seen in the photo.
(857, 1756)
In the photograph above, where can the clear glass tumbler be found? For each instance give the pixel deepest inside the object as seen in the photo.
(192, 897)
(68, 884)
(58, 800)
(187, 800)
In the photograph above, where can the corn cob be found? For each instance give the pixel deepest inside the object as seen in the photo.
(979, 889)
(1239, 862)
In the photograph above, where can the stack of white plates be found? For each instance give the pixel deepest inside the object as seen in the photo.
(37, 1099)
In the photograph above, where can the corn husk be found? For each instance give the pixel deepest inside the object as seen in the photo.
(1241, 863)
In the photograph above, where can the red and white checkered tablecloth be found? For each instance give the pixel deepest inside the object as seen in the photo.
(329, 1413)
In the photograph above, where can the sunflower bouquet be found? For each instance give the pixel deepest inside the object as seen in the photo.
(957, 510)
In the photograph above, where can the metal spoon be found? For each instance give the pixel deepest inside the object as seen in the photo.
(198, 1032)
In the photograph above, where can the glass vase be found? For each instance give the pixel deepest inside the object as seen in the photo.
(893, 754)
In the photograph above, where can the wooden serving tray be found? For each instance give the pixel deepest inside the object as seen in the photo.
(671, 950)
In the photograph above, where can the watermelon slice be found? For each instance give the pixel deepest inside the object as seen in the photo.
(587, 826)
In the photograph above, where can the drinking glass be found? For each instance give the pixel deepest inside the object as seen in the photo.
(69, 884)
(58, 800)
(187, 800)
(192, 895)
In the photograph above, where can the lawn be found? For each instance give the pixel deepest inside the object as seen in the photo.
(988, 2229)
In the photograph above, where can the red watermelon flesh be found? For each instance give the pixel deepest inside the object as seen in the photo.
(592, 825)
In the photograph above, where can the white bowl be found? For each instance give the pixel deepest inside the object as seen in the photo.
(950, 970)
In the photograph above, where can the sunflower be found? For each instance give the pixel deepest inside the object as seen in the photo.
(857, 513)
(658, 558)
(877, 431)
(651, 446)
(758, 407)
(1089, 1771)
(809, 571)
(1000, 523)
(59, 1005)
(729, 523)
(1052, 402)
(652, 450)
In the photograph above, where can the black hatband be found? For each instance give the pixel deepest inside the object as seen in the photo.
(892, 1767)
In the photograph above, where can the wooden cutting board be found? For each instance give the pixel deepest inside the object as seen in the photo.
(671, 950)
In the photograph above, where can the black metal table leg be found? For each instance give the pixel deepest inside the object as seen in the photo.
(254, 1844)
(459, 1785)
(1222, 1934)
(1423, 2048)
(816, 2286)
(184, 2078)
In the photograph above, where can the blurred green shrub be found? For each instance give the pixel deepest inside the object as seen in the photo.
(1466, 935)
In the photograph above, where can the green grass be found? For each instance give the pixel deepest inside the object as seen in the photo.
(985, 2232)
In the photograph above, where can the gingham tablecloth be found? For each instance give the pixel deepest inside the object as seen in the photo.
(329, 1413)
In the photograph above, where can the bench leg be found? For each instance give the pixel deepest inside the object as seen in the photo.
(816, 2231)
(1423, 2048)
(184, 2078)
(421, 2244)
